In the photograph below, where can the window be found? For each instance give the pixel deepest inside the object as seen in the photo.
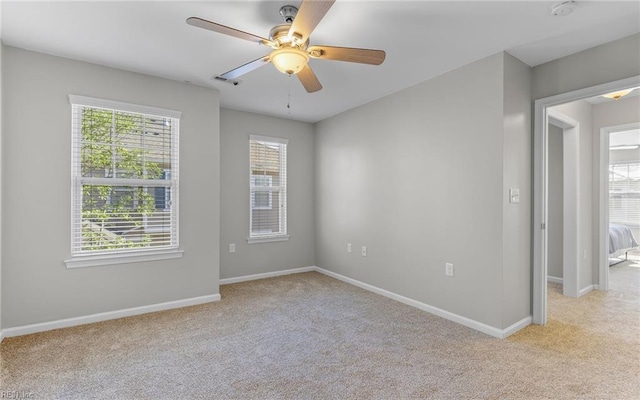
(262, 200)
(268, 189)
(624, 194)
(124, 182)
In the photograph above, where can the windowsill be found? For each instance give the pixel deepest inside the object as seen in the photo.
(123, 258)
(267, 239)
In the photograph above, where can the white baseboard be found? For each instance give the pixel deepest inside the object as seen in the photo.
(265, 275)
(88, 319)
(470, 323)
(586, 290)
(523, 323)
(489, 330)
(580, 293)
(554, 279)
(1, 336)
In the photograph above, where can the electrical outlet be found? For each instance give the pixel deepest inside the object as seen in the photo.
(448, 269)
(232, 247)
(364, 251)
(348, 247)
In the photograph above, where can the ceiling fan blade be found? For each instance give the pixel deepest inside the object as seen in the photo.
(363, 56)
(212, 26)
(309, 15)
(309, 79)
(243, 69)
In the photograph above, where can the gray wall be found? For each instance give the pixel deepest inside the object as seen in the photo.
(516, 172)
(555, 203)
(298, 251)
(36, 193)
(581, 111)
(418, 177)
(601, 64)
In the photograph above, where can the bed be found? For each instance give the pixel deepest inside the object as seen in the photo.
(621, 240)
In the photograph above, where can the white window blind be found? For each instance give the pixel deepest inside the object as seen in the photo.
(268, 188)
(624, 194)
(124, 177)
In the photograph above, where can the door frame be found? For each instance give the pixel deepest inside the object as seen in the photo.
(540, 171)
(603, 213)
(571, 260)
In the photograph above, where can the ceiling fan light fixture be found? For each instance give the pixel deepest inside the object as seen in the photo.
(289, 60)
(617, 95)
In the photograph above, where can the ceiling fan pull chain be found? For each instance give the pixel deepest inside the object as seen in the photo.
(289, 94)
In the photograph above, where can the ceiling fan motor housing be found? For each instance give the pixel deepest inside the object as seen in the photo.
(279, 34)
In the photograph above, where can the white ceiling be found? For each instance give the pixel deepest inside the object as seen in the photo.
(422, 39)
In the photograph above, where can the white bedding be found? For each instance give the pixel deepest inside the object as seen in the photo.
(620, 239)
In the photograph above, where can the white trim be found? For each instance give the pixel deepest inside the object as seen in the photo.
(470, 323)
(603, 212)
(571, 260)
(81, 258)
(122, 106)
(540, 215)
(554, 279)
(510, 330)
(1, 336)
(540, 182)
(123, 258)
(105, 316)
(268, 139)
(560, 120)
(489, 330)
(265, 275)
(281, 235)
(586, 290)
(267, 239)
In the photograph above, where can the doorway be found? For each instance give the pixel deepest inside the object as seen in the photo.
(564, 227)
(540, 214)
(605, 168)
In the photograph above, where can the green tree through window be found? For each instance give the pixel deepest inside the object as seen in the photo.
(123, 163)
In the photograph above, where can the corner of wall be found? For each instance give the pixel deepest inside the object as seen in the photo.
(264, 258)
(104, 289)
(516, 174)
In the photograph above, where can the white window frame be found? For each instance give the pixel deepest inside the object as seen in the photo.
(80, 258)
(256, 237)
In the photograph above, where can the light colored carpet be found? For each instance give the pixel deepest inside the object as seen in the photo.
(625, 276)
(308, 336)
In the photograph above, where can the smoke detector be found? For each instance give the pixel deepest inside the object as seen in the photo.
(563, 9)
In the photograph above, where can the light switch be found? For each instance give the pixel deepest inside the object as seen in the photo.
(514, 196)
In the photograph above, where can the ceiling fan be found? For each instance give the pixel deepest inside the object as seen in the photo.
(290, 44)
